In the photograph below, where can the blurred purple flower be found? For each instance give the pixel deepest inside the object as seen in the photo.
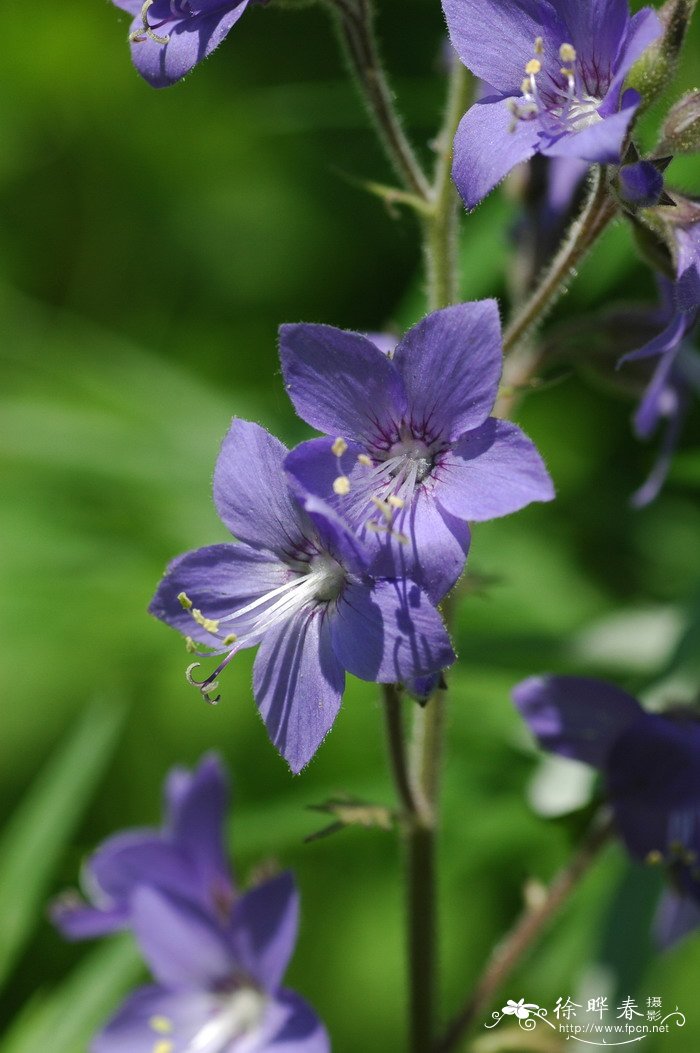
(169, 37)
(415, 454)
(218, 981)
(186, 858)
(651, 768)
(557, 68)
(298, 584)
(674, 381)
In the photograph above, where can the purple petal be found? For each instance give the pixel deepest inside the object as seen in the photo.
(495, 39)
(427, 544)
(127, 860)
(184, 948)
(250, 489)
(190, 40)
(599, 143)
(298, 683)
(76, 920)
(340, 382)
(315, 467)
(178, 1018)
(660, 398)
(489, 142)
(337, 536)
(490, 472)
(197, 805)
(219, 580)
(644, 28)
(655, 763)
(451, 363)
(596, 28)
(676, 917)
(389, 632)
(652, 485)
(264, 930)
(641, 184)
(574, 716)
(299, 1030)
(666, 341)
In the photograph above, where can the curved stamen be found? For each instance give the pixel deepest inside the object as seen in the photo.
(138, 36)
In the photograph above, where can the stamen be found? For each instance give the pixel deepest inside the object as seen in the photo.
(205, 687)
(539, 46)
(185, 601)
(533, 67)
(339, 446)
(395, 502)
(211, 625)
(567, 53)
(140, 35)
(161, 1023)
(654, 858)
(163, 1045)
(341, 486)
(364, 459)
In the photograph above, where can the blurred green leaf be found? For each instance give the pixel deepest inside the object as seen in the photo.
(33, 840)
(65, 1020)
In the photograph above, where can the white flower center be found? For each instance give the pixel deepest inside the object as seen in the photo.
(235, 1015)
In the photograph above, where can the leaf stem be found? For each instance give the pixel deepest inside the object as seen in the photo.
(528, 928)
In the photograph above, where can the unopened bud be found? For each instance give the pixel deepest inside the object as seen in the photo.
(653, 71)
(640, 185)
(680, 133)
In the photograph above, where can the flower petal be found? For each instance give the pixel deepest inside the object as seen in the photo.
(495, 39)
(264, 930)
(488, 144)
(190, 40)
(643, 29)
(676, 917)
(250, 489)
(340, 382)
(655, 763)
(197, 803)
(490, 472)
(451, 363)
(184, 947)
(218, 580)
(298, 683)
(77, 920)
(596, 28)
(599, 143)
(574, 716)
(389, 632)
(151, 1014)
(299, 1029)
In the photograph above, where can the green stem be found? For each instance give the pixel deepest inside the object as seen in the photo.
(529, 928)
(355, 20)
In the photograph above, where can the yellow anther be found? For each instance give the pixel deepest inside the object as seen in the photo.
(185, 601)
(339, 447)
(654, 858)
(210, 624)
(341, 485)
(524, 88)
(566, 72)
(363, 458)
(164, 1045)
(533, 67)
(161, 1023)
(567, 53)
(395, 502)
(190, 645)
(230, 639)
(539, 45)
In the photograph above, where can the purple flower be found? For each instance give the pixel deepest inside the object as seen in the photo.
(641, 184)
(218, 980)
(411, 453)
(557, 68)
(169, 37)
(297, 584)
(674, 380)
(186, 858)
(651, 767)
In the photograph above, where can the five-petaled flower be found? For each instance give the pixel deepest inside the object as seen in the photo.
(169, 37)
(297, 584)
(557, 68)
(410, 453)
(218, 956)
(651, 767)
(186, 857)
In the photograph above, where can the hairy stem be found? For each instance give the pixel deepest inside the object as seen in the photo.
(355, 20)
(529, 928)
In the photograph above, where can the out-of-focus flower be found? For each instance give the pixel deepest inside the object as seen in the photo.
(651, 769)
(298, 584)
(186, 858)
(169, 37)
(557, 68)
(411, 453)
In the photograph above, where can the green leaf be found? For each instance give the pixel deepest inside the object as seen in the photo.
(40, 828)
(64, 1020)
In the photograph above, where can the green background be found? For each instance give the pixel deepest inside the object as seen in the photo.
(150, 244)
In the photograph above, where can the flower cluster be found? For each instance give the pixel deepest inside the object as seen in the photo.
(651, 767)
(346, 544)
(218, 955)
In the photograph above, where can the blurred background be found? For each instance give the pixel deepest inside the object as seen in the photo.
(151, 242)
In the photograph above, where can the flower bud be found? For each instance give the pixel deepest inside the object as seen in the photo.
(680, 133)
(653, 71)
(640, 185)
